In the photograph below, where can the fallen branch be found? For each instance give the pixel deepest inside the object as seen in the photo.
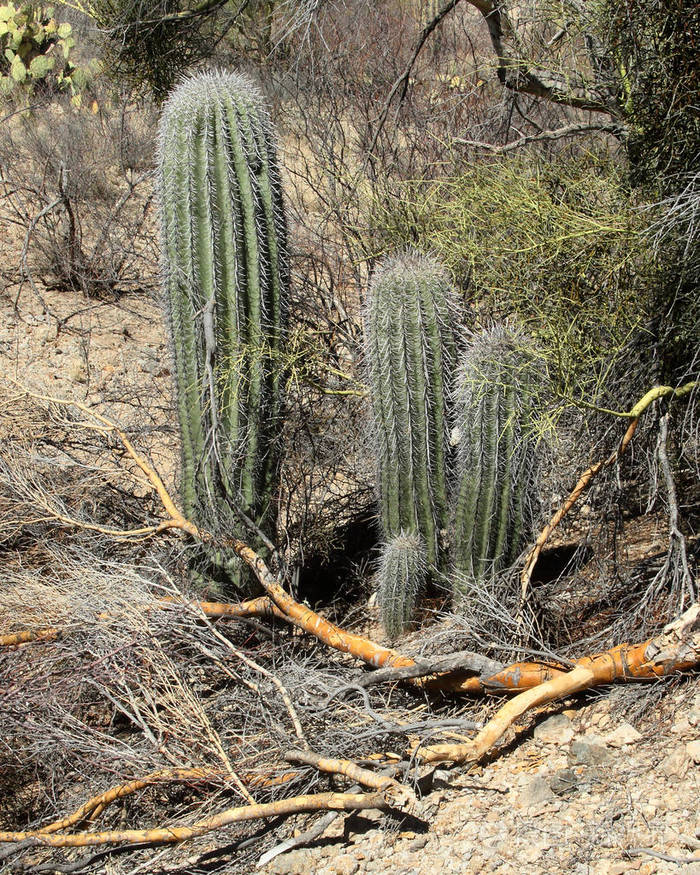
(15, 639)
(95, 806)
(571, 130)
(401, 796)
(171, 834)
(677, 648)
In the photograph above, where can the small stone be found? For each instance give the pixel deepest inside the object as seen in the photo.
(344, 865)
(77, 370)
(564, 782)
(676, 764)
(693, 751)
(535, 792)
(292, 863)
(589, 751)
(624, 734)
(441, 776)
(556, 729)
(683, 727)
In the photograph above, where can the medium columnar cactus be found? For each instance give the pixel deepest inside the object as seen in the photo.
(225, 272)
(401, 576)
(410, 354)
(496, 461)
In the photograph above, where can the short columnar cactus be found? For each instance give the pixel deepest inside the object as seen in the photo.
(496, 461)
(224, 258)
(401, 576)
(410, 354)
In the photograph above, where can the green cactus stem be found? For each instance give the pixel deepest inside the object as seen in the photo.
(401, 576)
(495, 491)
(225, 274)
(410, 354)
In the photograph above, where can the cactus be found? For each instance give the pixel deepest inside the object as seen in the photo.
(402, 574)
(410, 353)
(497, 455)
(225, 274)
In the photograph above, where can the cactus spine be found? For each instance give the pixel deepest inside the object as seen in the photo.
(225, 273)
(496, 462)
(410, 353)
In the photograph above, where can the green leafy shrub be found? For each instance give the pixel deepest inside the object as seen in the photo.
(559, 246)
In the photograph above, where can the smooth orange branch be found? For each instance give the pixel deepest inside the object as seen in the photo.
(313, 623)
(14, 639)
(402, 797)
(172, 834)
(676, 649)
(258, 607)
(98, 803)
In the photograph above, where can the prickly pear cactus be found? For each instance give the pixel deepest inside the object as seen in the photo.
(410, 355)
(224, 257)
(496, 466)
(36, 48)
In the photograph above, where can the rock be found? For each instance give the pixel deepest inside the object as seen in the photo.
(344, 865)
(77, 370)
(292, 863)
(564, 782)
(535, 792)
(693, 751)
(694, 713)
(676, 764)
(624, 734)
(556, 729)
(589, 751)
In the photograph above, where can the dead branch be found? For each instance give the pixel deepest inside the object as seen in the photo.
(15, 639)
(464, 661)
(584, 481)
(95, 806)
(295, 805)
(677, 648)
(402, 797)
(571, 130)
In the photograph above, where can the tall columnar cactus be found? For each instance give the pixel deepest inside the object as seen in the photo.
(497, 454)
(225, 273)
(410, 353)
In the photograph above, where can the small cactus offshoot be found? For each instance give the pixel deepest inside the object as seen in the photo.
(401, 576)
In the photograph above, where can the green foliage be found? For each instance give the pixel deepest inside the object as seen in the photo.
(410, 355)
(655, 44)
(558, 245)
(37, 50)
(150, 44)
(225, 274)
(495, 492)
(401, 576)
